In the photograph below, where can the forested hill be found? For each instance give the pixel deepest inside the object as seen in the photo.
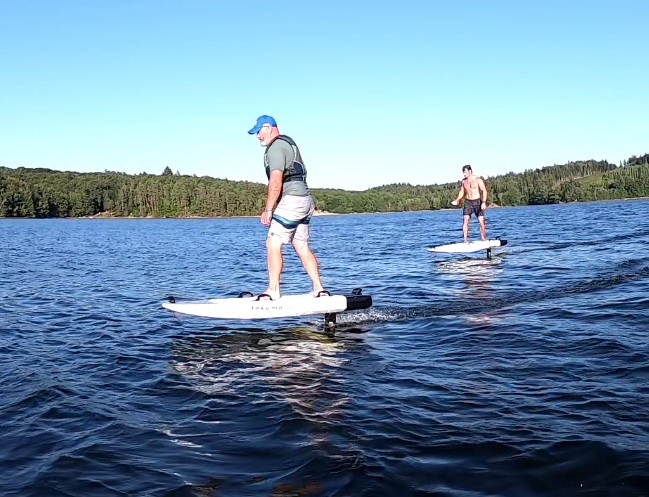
(41, 193)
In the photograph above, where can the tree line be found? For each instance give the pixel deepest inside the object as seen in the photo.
(45, 193)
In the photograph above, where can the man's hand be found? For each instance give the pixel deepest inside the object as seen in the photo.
(266, 217)
(483, 206)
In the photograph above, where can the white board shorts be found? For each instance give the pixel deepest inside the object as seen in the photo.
(291, 218)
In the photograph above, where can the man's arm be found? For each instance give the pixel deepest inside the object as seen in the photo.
(459, 197)
(483, 190)
(278, 160)
(274, 189)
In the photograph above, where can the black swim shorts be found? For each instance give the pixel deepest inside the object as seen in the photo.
(473, 207)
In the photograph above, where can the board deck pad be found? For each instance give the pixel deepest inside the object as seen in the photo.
(463, 248)
(247, 307)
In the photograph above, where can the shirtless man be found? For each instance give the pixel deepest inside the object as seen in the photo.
(475, 201)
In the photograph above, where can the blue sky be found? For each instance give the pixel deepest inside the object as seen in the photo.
(373, 92)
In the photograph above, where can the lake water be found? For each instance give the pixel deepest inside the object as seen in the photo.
(523, 375)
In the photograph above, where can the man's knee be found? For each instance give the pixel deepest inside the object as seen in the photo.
(274, 242)
(301, 246)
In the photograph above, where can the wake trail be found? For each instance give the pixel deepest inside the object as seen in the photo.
(454, 307)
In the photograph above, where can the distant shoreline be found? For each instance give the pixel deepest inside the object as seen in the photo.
(326, 213)
(108, 216)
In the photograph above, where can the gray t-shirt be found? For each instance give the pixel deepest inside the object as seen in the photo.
(280, 155)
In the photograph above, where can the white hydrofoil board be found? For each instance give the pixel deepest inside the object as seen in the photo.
(246, 307)
(463, 248)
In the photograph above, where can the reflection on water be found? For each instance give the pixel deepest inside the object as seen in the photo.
(297, 378)
(478, 277)
(299, 367)
(256, 351)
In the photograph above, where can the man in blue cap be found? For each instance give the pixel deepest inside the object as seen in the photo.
(289, 206)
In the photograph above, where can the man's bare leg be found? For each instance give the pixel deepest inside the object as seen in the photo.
(465, 229)
(275, 263)
(483, 228)
(309, 262)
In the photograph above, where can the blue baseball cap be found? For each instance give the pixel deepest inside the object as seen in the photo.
(261, 120)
